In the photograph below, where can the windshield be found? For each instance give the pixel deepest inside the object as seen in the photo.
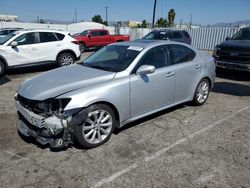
(158, 35)
(243, 34)
(84, 33)
(6, 38)
(113, 58)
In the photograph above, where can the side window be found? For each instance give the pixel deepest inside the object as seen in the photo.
(177, 35)
(95, 33)
(59, 36)
(103, 33)
(181, 54)
(186, 34)
(47, 37)
(156, 57)
(25, 39)
(4, 32)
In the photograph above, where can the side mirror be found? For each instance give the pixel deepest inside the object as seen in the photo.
(14, 44)
(145, 69)
(88, 35)
(228, 38)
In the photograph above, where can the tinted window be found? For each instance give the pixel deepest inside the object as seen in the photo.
(103, 33)
(4, 32)
(95, 33)
(243, 34)
(156, 57)
(186, 34)
(176, 35)
(59, 36)
(47, 37)
(27, 38)
(158, 35)
(181, 54)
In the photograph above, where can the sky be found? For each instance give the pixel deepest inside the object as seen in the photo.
(204, 12)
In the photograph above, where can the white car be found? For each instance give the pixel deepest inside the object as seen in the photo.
(37, 47)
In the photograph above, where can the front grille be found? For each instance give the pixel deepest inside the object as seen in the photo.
(234, 55)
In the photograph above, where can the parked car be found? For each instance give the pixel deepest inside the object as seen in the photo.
(167, 34)
(5, 31)
(234, 53)
(37, 47)
(118, 84)
(97, 38)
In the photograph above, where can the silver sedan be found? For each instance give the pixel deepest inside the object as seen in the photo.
(116, 85)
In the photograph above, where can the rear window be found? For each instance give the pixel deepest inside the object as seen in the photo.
(186, 34)
(47, 37)
(60, 36)
(176, 35)
(181, 54)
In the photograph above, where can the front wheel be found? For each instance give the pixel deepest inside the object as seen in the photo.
(65, 59)
(97, 127)
(202, 92)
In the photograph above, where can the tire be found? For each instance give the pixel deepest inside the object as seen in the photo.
(82, 47)
(65, 59)
(92, 132)
(202, 92)
(2, 69)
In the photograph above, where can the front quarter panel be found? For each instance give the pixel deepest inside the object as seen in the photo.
(115, 92)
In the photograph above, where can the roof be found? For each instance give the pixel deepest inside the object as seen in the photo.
(146, 43)
(40, 30)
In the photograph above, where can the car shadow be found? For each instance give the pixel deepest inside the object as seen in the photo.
(4, 80)
(235, 89)
(148, 118)
(23, 70)
(233, 75)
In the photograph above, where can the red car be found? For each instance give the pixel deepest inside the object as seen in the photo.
(97, 38)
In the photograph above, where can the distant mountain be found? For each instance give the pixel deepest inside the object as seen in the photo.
(233, 24)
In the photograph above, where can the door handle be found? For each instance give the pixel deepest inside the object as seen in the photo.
(169, 74)
(197, 66)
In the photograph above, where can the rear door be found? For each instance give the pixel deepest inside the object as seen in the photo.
(188, 71)
(48, 46)
(99, 38)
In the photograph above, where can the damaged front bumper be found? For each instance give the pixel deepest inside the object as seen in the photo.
(52, 131)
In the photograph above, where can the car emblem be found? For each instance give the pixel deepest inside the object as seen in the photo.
(233, 54)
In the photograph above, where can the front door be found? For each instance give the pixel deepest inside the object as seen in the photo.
(25, 52)
(152, 91)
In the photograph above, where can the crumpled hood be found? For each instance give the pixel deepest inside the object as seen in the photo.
(241, 44)
(62, 80)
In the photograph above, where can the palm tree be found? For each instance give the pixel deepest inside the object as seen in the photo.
(171, 17)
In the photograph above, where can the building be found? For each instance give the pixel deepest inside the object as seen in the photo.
(8, 18)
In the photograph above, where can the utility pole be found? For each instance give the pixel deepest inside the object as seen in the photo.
(191, 18)
(106, 14)
(75, 15)
(153, 23)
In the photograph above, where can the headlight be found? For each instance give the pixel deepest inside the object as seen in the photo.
(216, 51)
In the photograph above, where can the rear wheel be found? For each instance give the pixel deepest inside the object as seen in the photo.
(202, 92)
(82, 47)
(2, 68)
(65, 59)
(98, 126)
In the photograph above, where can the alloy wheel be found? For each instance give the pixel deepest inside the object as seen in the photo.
(66, 60)
(202, 91)
(97, 126)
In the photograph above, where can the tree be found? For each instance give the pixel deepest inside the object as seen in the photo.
(161, 22)
(171, 17)
(98, 19)
(144, 24)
